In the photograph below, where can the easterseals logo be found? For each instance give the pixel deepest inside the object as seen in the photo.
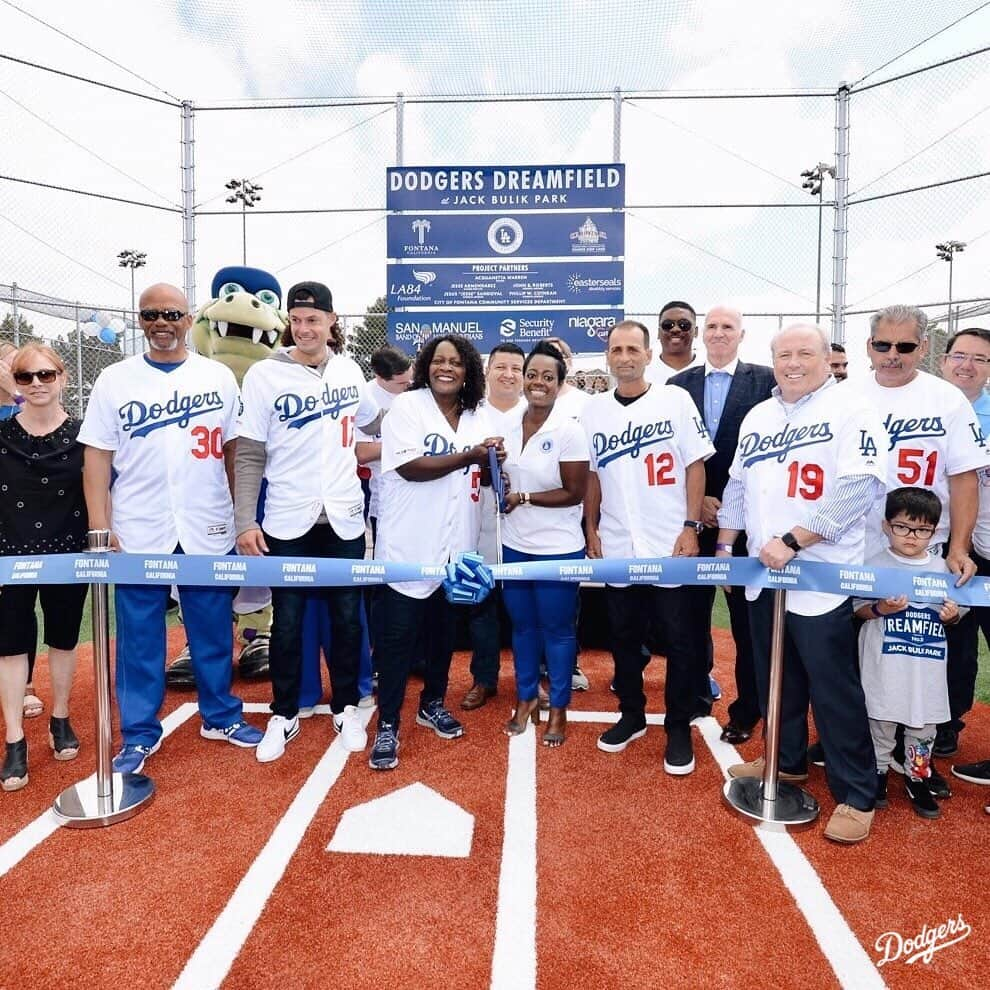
(507, 328)
(505, 235)
(894, 947)
(579, 284)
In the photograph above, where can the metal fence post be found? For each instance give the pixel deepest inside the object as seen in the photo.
(840, 251)
(400, 106)
(14, 314)
(79, 366)
(617, 125)
(188, 203)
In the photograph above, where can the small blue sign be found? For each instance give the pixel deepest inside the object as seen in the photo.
(506, 283)
(515, 187)
(583, 329)
(518, 235)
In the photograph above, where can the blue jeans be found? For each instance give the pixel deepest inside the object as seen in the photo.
(544, 625)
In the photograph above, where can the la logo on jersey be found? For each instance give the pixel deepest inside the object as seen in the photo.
(628, 443)
(140, 419)
(978, 436)
(756, 447)
(867, 447)
(912, 429)
(298, 410)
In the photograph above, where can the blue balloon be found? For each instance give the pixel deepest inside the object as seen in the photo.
(107, 335)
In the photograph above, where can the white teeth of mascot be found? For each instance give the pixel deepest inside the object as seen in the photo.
(221, 327)
(271, 335)
(256, 335)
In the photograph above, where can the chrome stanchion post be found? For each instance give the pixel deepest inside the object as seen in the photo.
(108, 797)
(768, 799)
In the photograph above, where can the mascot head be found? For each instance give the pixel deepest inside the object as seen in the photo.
(244, 320)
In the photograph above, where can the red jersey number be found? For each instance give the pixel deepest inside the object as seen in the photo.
(347, 431)
(912, 463)
(660, 469)
(806, 481)
(475, 484)
(209, 443)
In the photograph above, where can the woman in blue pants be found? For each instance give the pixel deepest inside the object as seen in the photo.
(547, 463)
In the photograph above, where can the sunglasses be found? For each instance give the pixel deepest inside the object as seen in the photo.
(168, 315)
(669, 325)
(46, 377)
(902, 346)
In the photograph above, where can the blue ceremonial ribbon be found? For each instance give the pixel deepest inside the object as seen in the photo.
(498, 480)
(295, 572)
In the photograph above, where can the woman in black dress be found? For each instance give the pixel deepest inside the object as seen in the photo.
(41, 511)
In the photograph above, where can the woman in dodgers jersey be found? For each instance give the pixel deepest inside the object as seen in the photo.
(547, 463)
(434, 446)
(301, 407)
(163, 423)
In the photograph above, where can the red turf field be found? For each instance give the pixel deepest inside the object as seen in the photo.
(583, 869)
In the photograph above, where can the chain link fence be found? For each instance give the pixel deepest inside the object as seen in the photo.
(716, 212)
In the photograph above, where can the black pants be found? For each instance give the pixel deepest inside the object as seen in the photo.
(962, 661)
(821, 665)
(686, 692)
(485, 623)
(404, 619)
(289, 604)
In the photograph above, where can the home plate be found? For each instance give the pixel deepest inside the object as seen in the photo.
(412, 821)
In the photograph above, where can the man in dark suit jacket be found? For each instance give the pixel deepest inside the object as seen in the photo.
(724, 389)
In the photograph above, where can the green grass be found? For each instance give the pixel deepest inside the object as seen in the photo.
(720, 619)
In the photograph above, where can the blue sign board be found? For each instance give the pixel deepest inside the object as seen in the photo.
(519, 235)
(584, 330)
(515, 187)
(505, 283)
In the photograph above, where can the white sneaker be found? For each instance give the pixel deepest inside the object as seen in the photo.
(280, 730)
(367, 701)
(352, 732)
(306, 712)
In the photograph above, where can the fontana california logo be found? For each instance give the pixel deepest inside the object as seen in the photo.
(896, 948)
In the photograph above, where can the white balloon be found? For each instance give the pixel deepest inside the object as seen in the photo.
(91, 329)
(117, 325)
(103, 318)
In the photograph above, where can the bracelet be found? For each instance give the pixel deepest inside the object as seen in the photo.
(524, 498)
(875, 609)
(727, 547)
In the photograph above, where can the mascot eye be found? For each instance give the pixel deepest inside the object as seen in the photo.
(229, 287)
(269, 297)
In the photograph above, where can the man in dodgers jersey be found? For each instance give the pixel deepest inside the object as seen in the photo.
(301, 408)
(159, 434)
(807, 466)
(648, 445)
(934, 440)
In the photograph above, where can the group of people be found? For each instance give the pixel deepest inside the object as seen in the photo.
(692, 452)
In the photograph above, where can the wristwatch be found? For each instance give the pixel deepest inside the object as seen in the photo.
(698, 527)
(790, 541)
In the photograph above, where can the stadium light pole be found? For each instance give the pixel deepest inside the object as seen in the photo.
(813, 182)
(133, 260)
(945, 251)
(247, 193)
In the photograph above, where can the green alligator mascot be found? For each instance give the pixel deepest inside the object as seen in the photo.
(241, 324)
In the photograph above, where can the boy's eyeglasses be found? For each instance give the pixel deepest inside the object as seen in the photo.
(922, 532)
(46, 376)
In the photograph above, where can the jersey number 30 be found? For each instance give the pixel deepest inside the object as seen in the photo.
(209, 443)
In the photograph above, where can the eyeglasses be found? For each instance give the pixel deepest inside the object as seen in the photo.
(902, 346)
(978, 359)
(46, 376)
(168, 315)
(922, 532)
(669, 325)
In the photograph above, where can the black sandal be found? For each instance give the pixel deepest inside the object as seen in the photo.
(14, 774)
(62, 739)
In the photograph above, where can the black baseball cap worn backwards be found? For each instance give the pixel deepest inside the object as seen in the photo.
(315, 295)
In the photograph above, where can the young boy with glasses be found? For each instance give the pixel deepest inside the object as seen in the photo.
(902, 650)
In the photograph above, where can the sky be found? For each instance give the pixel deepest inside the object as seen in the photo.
(251, 58)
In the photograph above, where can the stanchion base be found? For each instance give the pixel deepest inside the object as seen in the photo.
(79, 806)
(793, 805)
